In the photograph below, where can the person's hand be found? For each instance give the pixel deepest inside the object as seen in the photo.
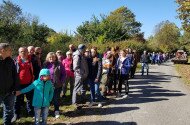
(18, 93)
(96, 80)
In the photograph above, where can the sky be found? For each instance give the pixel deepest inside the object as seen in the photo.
(67, 15)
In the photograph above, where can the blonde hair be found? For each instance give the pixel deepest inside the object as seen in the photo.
(49, 55)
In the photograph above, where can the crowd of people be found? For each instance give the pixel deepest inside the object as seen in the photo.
(42, 82)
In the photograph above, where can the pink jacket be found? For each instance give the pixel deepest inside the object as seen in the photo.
(67, 64)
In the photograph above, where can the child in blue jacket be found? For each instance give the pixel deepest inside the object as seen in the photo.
(43, 94)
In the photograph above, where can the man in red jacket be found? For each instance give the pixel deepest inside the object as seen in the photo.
(25, 72)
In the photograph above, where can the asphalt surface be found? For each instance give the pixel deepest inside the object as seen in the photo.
(161, 98)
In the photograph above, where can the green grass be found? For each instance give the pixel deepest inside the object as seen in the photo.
(64, 108)
(184, 71)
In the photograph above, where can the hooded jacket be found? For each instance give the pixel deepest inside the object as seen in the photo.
(43, 90)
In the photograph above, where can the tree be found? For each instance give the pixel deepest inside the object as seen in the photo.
(118, 25)
(184, 13)
(167, 36)
(10, 19)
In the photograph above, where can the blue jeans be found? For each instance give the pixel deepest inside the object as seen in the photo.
(56, 96)
(8, 108)
(92, 90)
(144, 65)
(97, 91)
(38, 111)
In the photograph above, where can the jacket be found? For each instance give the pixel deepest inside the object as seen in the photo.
(144, 58)
(9, 80)
(80, 65)
(125, 66)
(58, 74)
(43, 90)
(25, 71)
(97, 69)
(67, 64)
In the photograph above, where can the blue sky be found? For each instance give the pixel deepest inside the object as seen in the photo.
(62, 15)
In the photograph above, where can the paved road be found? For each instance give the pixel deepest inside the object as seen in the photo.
(158, 99)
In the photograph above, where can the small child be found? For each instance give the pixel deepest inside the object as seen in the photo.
(43, 94)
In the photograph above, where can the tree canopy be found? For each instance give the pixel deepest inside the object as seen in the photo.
(118, 25)
(184, 13)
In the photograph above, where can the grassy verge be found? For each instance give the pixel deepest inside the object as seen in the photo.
(64, 108)
(184, 71)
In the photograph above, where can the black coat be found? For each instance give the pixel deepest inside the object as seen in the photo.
(9, 80)
(97, 70)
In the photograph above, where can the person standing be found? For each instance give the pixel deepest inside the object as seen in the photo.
(26, 77)
(9, 82)
(80, 68)
(34, 60)
(69, 73)
(144, 62)
(57, 73)
(43, 94)
(123, 67)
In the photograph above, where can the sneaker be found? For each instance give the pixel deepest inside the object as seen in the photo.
(57, 114)
(14, 118)
(90, 104)
(125, 96)
(100, 105)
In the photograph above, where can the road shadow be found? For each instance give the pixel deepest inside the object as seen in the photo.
(99, 123)
(146, 89)
(99, 111)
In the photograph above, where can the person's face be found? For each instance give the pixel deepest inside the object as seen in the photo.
(69, 56)
(8, 52)
(31, 50)
(87, 53)
(122, 54)
(45, 77)
(38, 52)
(83, 51)
(109, 55)
(58, 53)
(93, 52)
(51, 59)
(23, 53)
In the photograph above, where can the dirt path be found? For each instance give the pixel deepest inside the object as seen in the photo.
(158, 99)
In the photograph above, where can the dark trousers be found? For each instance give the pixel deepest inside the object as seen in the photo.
(20, 102)
(56, 97)
(133, 69)
(8, 108)
(122, 78)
